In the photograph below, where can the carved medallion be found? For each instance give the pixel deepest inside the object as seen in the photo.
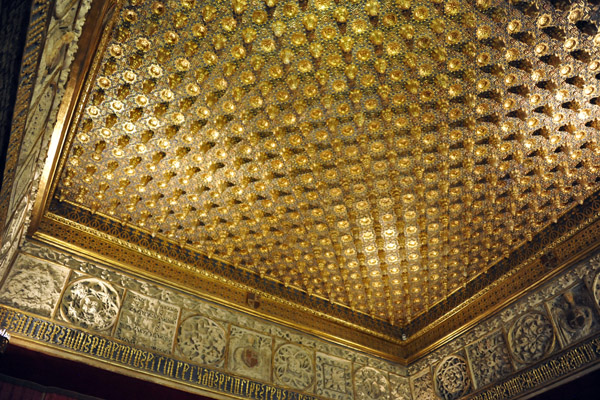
(370, 384)
(531, 337)
(293, 367)
(201, 340)
(90, 303)
(452, 378)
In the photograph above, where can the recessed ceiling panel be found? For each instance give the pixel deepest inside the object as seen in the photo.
(378, 154)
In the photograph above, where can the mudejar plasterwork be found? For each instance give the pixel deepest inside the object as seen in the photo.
(370, 384)
(90, 303)
(202, 340)
(452, 379)
(293, 366)
(531, 337)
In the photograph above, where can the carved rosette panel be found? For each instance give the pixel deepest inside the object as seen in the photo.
(202, 340)
(293, 367)
(531, 337)
(452, 379)
(490, 360)
(370, 384)
(90, 303)
(333, 377)
(250, 353)
(33, 285)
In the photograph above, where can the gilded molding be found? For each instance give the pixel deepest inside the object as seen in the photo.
(70, 236)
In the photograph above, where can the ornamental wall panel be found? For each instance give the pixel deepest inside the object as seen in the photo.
(131, 311)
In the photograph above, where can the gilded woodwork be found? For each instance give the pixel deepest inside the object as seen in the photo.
(381, 162)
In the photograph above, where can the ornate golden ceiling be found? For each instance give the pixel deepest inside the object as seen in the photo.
(378, 154)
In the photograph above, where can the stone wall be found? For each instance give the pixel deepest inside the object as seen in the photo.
(134, 311)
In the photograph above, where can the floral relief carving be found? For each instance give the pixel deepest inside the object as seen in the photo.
(33, 285)
(531, 337)
(490, 359)
(293, 367)
(202, 340)
(596, 289)
(90, 303)
(333, 377)
(13, 233)
(452, 378)
(370, 384)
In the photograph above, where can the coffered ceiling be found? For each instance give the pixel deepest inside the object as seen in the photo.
(376, 156)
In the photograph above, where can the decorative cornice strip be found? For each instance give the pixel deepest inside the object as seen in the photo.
(96, 347)
(198, 262)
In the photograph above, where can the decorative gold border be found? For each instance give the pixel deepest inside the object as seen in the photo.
(441, 324)
(218, 290)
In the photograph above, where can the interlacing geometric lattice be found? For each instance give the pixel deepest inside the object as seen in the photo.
(377, 153)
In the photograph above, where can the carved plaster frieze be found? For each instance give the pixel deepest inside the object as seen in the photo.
(293, 367)
(582, 271)
(334, 377)
(452, 379)
(197, 306)
(371, 384)
(147, 322)
(490, 360)
(574, 314)
(90, 303)
(34, 285)
(400, 388)
(422, 386)
(531, 337)
(250, 353)
(64, 28)
(202, 340)
(13, 234)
